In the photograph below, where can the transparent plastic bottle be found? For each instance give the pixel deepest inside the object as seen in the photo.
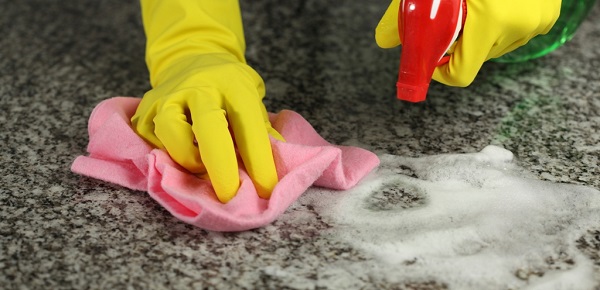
(572, 13)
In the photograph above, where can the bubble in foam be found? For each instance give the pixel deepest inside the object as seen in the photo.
(470, 221)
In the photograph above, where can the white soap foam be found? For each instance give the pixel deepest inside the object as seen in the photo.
(469, 221)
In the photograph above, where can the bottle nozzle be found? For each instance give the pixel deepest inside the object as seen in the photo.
(427, 29)
(412, 93)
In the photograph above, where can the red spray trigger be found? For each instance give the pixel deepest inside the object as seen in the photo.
(427, 29)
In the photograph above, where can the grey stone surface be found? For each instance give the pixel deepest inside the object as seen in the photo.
(60, 58)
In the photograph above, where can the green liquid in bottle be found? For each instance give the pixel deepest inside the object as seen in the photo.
(572, 13)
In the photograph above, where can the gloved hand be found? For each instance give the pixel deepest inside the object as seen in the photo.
(492, 29)
(205, 100)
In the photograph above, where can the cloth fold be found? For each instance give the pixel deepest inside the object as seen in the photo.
(118, 155)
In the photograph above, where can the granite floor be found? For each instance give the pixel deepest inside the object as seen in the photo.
(58, 59)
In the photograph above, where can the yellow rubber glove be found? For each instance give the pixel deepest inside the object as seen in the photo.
(205, 100)
(492, 29)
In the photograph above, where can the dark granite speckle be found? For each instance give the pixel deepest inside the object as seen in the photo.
(60, 58)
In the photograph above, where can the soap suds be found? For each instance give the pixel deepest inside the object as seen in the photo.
(469, 221)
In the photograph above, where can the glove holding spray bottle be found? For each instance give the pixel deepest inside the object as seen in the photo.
(490, 30)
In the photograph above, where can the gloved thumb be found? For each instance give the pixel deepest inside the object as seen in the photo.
(386, 33)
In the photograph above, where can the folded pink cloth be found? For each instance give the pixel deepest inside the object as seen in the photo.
(119, 155)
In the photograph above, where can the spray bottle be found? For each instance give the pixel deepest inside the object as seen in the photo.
(428, 28)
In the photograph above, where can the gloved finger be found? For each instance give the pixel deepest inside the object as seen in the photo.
(268, 125)
(550, 15)
(175, 132)
(471, 51)
(252, 139)
(211, 129)
(500, 51)
(386, 32)
(528, 28)
(274, 132)
(143, 123)
(147, 131)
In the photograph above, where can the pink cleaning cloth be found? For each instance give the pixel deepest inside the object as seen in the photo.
(118, 155)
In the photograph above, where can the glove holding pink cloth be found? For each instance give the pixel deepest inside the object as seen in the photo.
(118, 155)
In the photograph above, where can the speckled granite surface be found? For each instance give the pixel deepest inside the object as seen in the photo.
(60, 58)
